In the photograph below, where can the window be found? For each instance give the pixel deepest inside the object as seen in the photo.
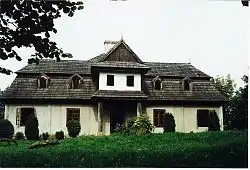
(130, 81)
(202, 118)
(73, 114)
(157, 85)
(158, 117)
(186, 85)
(24, 115)
(110, 80)
(43, 82)
(76, 82)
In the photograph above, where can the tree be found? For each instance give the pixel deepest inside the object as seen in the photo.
(239, 107)
(169, 123)
(1, 108)
(214, 121)
(29, 24)
(226, 86)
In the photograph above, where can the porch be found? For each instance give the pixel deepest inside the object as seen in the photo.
(110, 113)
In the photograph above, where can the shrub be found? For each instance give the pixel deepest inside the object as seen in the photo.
(137, 125)
(6, 129)
(169, 123)
(45, 136)
(31, 129)
(59, 135)
(214, 122)
(19, 136)
(74, 128)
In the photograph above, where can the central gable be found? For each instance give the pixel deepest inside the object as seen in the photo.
(121, 52)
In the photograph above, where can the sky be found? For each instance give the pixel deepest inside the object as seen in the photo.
(212, 34)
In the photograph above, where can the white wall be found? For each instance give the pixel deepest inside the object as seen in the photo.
(185, 117)
(52, 118)
(120, 82)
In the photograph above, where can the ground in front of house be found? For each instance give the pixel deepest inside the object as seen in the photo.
(207, 149)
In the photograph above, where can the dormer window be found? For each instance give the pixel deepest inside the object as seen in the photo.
(157, 82)
(43, 82)
(186, 84)
(76, 82)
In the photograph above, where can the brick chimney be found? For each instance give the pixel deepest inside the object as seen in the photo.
(108, 45)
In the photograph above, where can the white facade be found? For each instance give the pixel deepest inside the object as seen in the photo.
(120, 82)
(185, 117)
(52, 118)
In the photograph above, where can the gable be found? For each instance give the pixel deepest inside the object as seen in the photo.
(122, 52)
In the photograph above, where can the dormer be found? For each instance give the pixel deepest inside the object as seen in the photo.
(157, 83)
(120, 68)
(187, 84)
(43, 81)
(75, 82)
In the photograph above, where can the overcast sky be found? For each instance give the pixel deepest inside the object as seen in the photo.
(213, 33)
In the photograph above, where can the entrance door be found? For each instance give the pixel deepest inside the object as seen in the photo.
(117, 116)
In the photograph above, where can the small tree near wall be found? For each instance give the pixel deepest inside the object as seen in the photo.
(169, 123)
(214, 121)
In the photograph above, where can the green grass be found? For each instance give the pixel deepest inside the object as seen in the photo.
(211, 149)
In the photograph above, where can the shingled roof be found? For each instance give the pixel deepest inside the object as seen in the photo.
(25, 84)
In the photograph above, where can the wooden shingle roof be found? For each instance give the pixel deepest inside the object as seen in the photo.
(25, 84)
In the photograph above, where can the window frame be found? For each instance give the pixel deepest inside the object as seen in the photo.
(75, 111)
(132, 80)
(186, 85)
(159, 117)
(19, 115)
(110, 82)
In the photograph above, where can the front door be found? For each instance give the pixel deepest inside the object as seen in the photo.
(117, 116)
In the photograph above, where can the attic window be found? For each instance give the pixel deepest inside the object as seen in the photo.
(43, 82)
(187, 84)
(76, 82)
(110, 80)
(130, 81)
(157, 83)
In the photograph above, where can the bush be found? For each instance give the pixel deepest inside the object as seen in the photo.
(6, 129)
(214, 122)
(31, 129)
(169, 123)
(137, 125)
(74, 128)
(45, 136)
(59, 135)
(19, 136)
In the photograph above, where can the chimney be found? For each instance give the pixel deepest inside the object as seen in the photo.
(108, 45)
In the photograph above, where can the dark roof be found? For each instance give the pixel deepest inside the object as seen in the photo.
(173, 90)
(26, 88)
(119, 94)
(84, 67)
(171, 74)
(120, 64)
(174, 69)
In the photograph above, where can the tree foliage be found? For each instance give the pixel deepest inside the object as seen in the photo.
(214, 121)
(30, 24)
(239, 107)
(235, 111)
(31, 129)
(226, 86)
(169, 123)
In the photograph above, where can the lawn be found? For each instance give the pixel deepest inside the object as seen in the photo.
(209, 149)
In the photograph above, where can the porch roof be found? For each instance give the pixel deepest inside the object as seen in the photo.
(119, 94)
